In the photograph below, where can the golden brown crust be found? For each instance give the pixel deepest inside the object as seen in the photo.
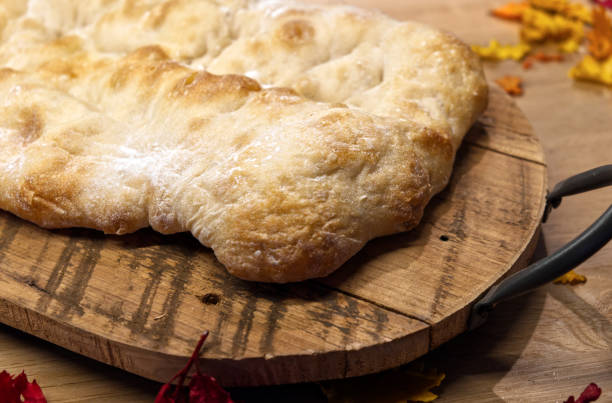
(311, 130)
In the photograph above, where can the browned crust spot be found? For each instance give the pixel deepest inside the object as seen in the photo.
(7, 72)
(435, 143)
(296, 32)
(30, 124)
(203, 85)
(152, 53)
(197, 124)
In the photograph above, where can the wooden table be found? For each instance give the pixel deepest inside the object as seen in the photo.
(541, 347)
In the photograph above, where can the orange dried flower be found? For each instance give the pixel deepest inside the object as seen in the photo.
(541, 57)
(600, 38)
(510, 11)
(511, 84)
(548, 57)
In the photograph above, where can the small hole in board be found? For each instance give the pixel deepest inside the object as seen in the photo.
(210, 299)
(443, 238)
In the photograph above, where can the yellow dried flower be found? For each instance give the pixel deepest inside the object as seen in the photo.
(555, 6)
(576, 11)
(590, 69)
(497, 51)
(539, 26)
(571, 277)
(569, 46)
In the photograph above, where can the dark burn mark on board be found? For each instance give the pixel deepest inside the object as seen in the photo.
(450, 260)
(75, 290)
(240, 339)
(351, 312)
(57, 274)
(220, 280)
(332, 314)
(276, 313)
(381, 319)
(163, 328)
(172, 261)
(218, 331)
(139, 318)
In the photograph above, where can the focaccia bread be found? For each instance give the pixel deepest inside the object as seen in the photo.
(282, 136)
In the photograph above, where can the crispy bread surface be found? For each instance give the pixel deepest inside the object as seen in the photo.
(283, 136)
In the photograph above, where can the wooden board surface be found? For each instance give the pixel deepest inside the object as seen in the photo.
(140, 302)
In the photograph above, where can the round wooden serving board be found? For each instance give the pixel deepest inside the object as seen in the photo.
(141, 301)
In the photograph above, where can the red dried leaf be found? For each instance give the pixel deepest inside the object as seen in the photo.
(8, 393)
(202, 388)
(12, 389)
(206, 389)
(33, 394)
(590, 394)
(163, 396)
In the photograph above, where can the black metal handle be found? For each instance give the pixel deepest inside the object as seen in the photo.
(563, 260)
(583, 182)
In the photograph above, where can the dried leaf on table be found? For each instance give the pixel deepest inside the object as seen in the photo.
(572, 10)
(542, 57)
(539, 26)
(590, 69)
(510, 11)
(578, 11)
(411, 383)
(17, 389)
(571, 277)
(590, 394)
(497, 51)
(511, 84)
(548, 57)
(201, 389)
(600, 38)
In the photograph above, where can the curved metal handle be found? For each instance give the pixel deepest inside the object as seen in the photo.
(583, 182)
(563, 260)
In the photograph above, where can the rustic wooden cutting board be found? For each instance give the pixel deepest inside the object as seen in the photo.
(141, 301)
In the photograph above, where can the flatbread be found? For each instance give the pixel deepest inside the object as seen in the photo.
(282, 136)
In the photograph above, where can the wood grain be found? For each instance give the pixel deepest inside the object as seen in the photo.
(140, 302)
